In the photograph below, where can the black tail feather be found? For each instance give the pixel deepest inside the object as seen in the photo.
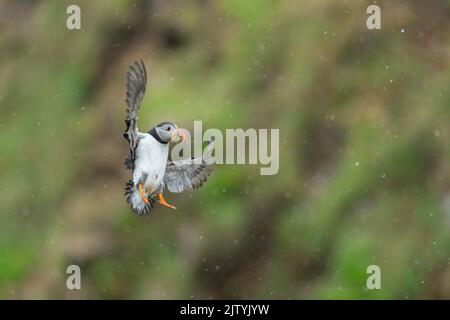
(136, 203)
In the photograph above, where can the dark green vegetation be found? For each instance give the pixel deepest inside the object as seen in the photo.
(364, 155)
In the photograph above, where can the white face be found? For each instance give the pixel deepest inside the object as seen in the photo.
(167, 132)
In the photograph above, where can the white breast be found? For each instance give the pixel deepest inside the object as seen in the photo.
(151, 160)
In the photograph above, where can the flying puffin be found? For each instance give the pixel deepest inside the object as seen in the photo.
(149, 151)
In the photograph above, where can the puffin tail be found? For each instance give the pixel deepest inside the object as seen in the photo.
(135, 200)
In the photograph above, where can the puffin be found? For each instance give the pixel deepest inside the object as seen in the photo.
(148, 154)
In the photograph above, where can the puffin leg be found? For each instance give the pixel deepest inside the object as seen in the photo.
(142, 193)
(163, 202)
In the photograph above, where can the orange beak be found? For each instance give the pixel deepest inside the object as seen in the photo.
(182, 135)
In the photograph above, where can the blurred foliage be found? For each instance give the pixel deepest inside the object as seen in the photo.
(364, 155)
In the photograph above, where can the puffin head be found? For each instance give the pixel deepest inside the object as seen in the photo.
(166, 132)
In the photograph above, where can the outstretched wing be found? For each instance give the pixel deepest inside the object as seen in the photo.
(136, 83)
(189, 173)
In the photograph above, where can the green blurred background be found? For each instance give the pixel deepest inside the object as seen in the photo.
(364, 154)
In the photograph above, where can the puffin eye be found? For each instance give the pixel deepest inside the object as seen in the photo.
(168, 129)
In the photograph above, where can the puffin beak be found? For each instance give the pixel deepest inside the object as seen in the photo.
(181, 134)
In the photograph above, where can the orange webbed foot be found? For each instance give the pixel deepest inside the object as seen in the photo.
(163, 202)
(142, 193)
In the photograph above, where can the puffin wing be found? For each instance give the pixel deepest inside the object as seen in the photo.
(189, 173)
(136, 83)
